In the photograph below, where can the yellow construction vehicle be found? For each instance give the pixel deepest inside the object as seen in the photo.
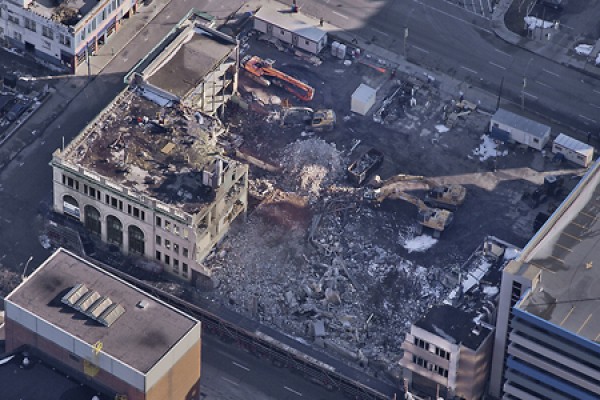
(438, 195)
(320, 120)
(436, 219)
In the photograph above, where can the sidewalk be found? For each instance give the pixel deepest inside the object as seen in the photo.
(63, 89)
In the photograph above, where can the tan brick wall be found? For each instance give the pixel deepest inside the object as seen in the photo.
(182, 381)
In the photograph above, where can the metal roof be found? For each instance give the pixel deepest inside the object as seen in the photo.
(519, 122)
(139, 337)
(573, 144)
(300, 24)
(566, 252)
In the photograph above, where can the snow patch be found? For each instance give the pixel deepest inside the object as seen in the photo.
(488, 149)
(442, 128)
(155, 98)
(490, 290)
(533, 22)
(419, 243)
(474, 276)
(511, 254)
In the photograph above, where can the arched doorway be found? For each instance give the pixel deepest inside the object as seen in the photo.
(136, 240)
(114, 230)
(71, 207)
(92, 220)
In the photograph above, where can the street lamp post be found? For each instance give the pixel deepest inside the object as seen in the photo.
(25, 268)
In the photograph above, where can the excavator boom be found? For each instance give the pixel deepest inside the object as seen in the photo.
(259, 68)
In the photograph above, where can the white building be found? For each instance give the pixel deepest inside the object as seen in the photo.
(61, 32)
(296, 29)
(508, 126)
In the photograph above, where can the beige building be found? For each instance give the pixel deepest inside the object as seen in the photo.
(104, 332)
(150, 180)
(447, 353)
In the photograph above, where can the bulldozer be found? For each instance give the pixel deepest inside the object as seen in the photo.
(436, 219)
(449, 196)
(318, 121)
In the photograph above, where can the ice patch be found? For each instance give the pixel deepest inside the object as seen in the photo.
(584, 49)
(490, 290)
(488, 149)
(419, 243)
(533, 22)
(511, 254)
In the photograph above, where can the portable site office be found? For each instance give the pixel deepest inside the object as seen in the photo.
(299, 30)
(508, 126)
(573, 150)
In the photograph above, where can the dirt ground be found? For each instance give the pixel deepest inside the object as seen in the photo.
(314, 259)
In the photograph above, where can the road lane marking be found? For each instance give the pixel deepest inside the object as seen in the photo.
(293, 391)
(420, 2)
(530, 95)
(340, 14)
(594, 105)
(543, 84)
(550, 72)
(380, 32)
(468, 69)
(587, 118)
(241, 366)
(420, 49)
(596, 91)
(230, 381)
(502, 52)
(497, 65)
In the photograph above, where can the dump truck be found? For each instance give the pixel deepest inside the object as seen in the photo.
(318, 121)
(436, 219)
(263, 72)
(361, 168)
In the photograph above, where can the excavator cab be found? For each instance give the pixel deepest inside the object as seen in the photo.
(446, 196)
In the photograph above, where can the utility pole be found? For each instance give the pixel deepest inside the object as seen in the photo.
(523, 94)
(500, 93)
(405, 37)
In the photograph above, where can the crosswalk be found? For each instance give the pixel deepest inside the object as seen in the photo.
(483, 8)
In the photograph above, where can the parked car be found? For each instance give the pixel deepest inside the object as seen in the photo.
(17, 110)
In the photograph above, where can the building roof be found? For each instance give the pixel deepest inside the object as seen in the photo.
(519, 122)
(455, 325)
(139, 338)
(185, 64)
(300, 24)
(42, 381)
(573, 144)
(66, 13)
(565, 253)
(158, 152)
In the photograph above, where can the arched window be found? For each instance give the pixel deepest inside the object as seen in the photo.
(92, 220)
(71, 206)
(136, 240)
(114, 230)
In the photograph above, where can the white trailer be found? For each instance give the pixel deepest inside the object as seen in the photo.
(573, 150)
(508, 126)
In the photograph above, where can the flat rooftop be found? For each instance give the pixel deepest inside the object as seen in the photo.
(40, 381)
(157, 151)
(300, 24)
(140, 337)
(566, 251)
(518, 121)
(455, 325)
(188, 63)
(66, 12)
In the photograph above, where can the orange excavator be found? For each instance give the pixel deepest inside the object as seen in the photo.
(263, 72)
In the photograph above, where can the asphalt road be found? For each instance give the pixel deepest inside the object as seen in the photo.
(460, 43)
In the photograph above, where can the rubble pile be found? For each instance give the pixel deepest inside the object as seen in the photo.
(332, 276)
(312, 164)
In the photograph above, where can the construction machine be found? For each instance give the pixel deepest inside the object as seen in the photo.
(449, 196)
(263, 72)
(436, 219)
(317, 121)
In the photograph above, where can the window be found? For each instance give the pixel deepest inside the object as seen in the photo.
(47, 45)
(64, 40)
(421, 343)
(536, 140)
(442, 353)
(113, 202)
(129, 209)
(158, 240)
(167, 226)
(167, 244)
(175, 264)
(158, 221)
(282, 32)
(496, 125)
(176, 248)
(185, 252)
(47, 32)
(30, 24)
(158, 255)
(142, 215)
(167, 259)
(17, 36)
(185, 233)
(107, 199)
(307, 42)
(184, 267)
(13, 19)
(136, 212)
(176, 229)
(92, 192)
